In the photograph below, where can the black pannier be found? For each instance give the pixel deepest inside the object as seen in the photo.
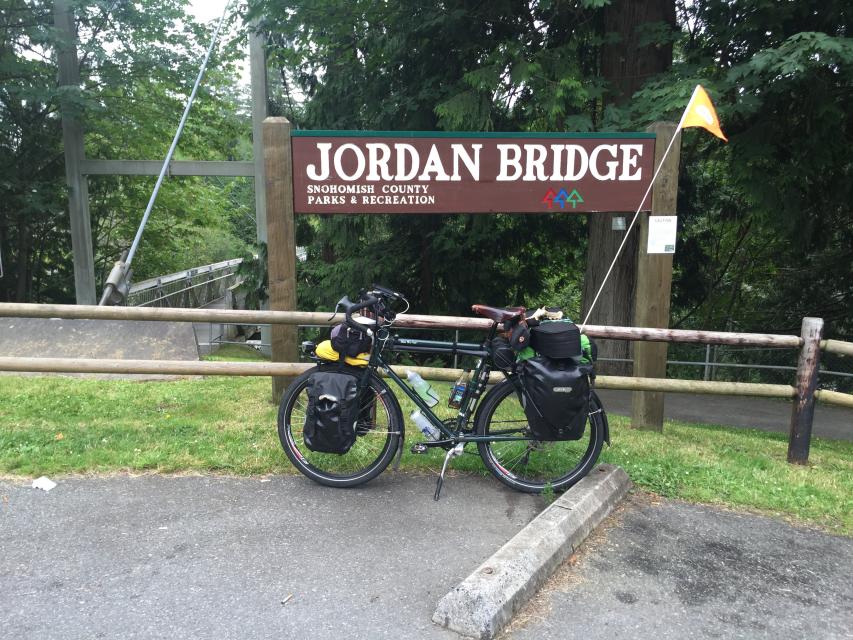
(556, 397)
(557, 339)
(333, 409)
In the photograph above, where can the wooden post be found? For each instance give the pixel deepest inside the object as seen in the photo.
(654, 284)
(802, 412)
(258, 69)
(281, 241)
(72, 139)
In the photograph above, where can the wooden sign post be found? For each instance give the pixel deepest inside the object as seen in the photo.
(281, 242)
(654, 285)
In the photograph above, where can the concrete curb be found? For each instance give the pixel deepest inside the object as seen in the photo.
(487, 599)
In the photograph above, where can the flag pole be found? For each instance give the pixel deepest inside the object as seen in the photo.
(636, 215)
(687, 108)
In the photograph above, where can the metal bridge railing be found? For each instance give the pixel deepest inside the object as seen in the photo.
(189, 289)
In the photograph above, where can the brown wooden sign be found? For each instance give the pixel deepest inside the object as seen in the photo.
(437, 172)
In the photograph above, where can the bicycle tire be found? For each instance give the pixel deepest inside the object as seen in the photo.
(375, 445)
(531, 465)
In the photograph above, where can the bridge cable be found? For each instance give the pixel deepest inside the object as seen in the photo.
(116, 287)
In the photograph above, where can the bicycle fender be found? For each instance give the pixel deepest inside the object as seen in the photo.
(400, 445)
(603, 416)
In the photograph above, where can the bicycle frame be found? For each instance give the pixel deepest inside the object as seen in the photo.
(516, 452)
(475, 389)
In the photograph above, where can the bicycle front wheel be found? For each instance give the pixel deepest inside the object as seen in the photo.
(532, 465)
(378, 430)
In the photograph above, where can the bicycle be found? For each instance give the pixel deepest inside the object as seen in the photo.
(492, 418)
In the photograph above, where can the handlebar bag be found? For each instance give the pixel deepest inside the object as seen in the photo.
(332, 413)
(556, 339)
(348, 341)
(556, 397)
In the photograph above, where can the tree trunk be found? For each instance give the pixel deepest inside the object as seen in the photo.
(626, 66)
(426, 275)
(624, 63)
(5, 263)
(23, 260)
(615, 306)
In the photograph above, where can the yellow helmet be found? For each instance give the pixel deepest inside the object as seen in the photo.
(326, 352)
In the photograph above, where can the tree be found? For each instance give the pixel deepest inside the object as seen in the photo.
(637, 46)
(405, 66)
(765, 214)
(136, 59)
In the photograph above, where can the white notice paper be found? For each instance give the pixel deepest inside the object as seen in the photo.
(662, 234)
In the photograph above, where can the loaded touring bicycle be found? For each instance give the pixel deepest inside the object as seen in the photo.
(540, 427)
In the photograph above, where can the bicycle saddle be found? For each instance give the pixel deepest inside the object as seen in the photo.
(498, 314)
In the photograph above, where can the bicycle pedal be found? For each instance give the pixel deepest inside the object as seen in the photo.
(419, 448)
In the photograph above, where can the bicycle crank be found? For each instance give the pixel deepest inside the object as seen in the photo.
(456, 451)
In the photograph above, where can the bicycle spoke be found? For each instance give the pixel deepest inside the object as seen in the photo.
(510, 464)
(373, 436)
(528, 464)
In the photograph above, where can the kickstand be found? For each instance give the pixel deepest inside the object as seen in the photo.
(454, 452)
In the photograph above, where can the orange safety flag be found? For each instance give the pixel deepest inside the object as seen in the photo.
(700, 113)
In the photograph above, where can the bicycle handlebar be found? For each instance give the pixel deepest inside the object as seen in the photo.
(376, 288)
(351, 307)
(379, 298)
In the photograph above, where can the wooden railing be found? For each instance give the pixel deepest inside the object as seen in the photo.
(804, 392)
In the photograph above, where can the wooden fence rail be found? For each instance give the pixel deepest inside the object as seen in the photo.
(209, 368)
(192, 368)
(408, 320)
(837, 346)
(804, 393)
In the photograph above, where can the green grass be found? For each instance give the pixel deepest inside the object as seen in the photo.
(236, 353)
(56, 425)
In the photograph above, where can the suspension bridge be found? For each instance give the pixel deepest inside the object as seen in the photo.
(211, 286)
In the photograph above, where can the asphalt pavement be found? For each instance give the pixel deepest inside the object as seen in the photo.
(281, 557)
(675, 571)
(212, 557)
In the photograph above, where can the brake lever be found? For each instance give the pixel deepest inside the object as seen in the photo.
(343, 302)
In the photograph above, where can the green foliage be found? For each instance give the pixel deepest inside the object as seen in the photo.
(137, 64)
(764, 220)
(507, 258)
(254, 276)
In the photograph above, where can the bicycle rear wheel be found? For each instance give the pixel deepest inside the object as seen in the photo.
(532, 465)
(379, 430)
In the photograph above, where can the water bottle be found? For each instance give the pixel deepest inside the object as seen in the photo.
(422, 388)
(455, 400)
(427, 428)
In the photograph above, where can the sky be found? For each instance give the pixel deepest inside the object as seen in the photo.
(206, 10)
(211, 11)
